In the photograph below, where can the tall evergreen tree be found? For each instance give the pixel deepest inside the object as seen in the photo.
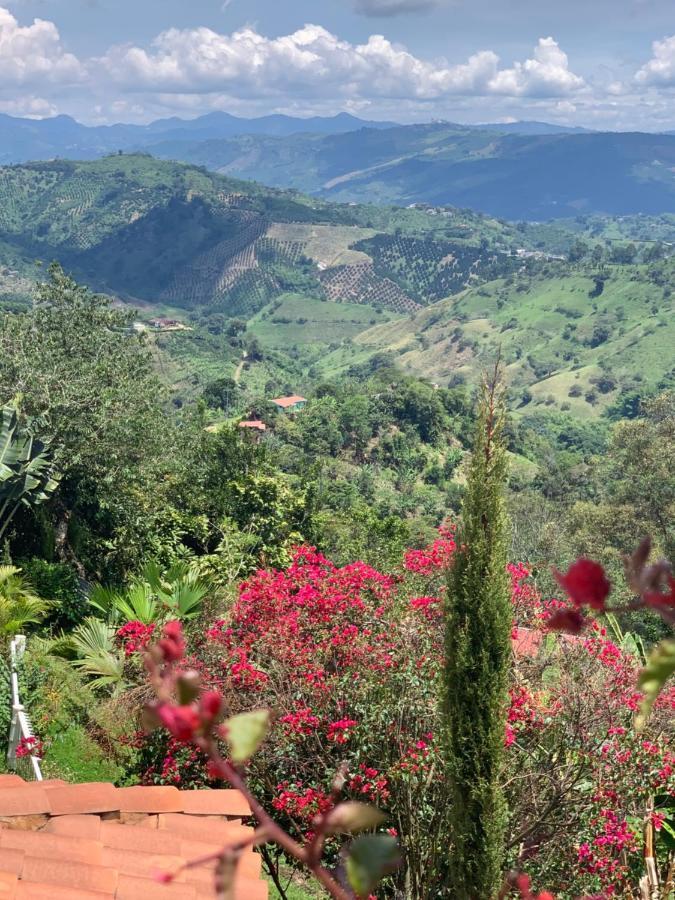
(478, 647)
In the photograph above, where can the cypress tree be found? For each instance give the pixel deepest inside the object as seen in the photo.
(478, 648)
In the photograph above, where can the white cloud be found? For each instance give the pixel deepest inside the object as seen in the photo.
(547, 74)
(28, 107)
(34, 55)
(660, 70)
(394, 7)
(312, 62)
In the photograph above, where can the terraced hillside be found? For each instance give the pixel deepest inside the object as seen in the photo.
(166, 233)
(571, 342)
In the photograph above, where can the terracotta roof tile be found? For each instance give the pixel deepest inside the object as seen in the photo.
(143, 865)
(29, 890)
(11, 860)
(8, 883)
(11, 781)
(194, 827)
(76, 799)
(149, 799)
(223, 802)
(17, 801)
(70, 874)
(134, 837)
(250, 863)
(132, 888)
(52, 846)
(87, 851)
(285, 402)
(76, 826)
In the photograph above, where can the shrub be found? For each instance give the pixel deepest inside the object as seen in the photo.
(59, 584)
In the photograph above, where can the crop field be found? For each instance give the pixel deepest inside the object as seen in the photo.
(360, 284)
(327, 245)
(294, 319)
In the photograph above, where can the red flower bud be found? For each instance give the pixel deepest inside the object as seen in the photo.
(211, 704)
(181, 721)
(172, 644)
(523, 884)
(586, 583)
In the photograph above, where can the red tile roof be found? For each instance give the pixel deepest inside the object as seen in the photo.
(285, 402)
(253, 423)
(96, 841)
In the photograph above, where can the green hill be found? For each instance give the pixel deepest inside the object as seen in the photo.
(324, 287)
(166, 233)
(518, 176)
(565, 346)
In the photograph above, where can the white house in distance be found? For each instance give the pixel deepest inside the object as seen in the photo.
(290, 404)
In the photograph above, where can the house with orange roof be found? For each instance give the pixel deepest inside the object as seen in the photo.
(294, 403)
(253, 428)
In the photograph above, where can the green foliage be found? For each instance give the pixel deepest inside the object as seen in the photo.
(90, 384)
(369, 859)
(660, 667)
(73, 756)
(61, 585)
(19, 604)
(27, 471)
(5, 704)
(155, 596)
(244, 733)
(477, 655)
(96, 656)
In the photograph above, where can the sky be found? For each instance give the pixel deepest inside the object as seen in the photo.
(596, 63)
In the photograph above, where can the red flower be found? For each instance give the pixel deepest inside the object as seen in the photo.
(585, 583)
(566, 620)
(181, 721)
(210, 704)
(655, 598)
(172, 644)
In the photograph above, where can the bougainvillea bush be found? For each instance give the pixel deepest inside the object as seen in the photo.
(349, 659)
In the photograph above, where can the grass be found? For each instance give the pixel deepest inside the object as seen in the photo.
(294, 319)
(300, 887)
(546, 329)
(73, 756)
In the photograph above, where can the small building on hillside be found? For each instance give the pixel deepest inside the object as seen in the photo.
(254, 428)
(162, 324)
(290, 404)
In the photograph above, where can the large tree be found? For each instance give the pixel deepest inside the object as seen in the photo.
(478, 648)
(86, 379)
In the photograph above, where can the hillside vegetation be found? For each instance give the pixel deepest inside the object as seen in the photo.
(517, 176)
(582, 313)
(165, 233)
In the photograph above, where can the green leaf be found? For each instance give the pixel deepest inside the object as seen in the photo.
(370, 858)
(667, 834)
(660, 666)
(348, 818)
(245, 733)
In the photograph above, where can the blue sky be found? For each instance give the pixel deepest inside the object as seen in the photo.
(591, 62)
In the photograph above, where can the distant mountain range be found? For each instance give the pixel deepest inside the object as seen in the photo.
(23, 140)
(522, 170)
(535, 176)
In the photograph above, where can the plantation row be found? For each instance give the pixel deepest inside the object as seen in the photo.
(360, 284)
(431, 270)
